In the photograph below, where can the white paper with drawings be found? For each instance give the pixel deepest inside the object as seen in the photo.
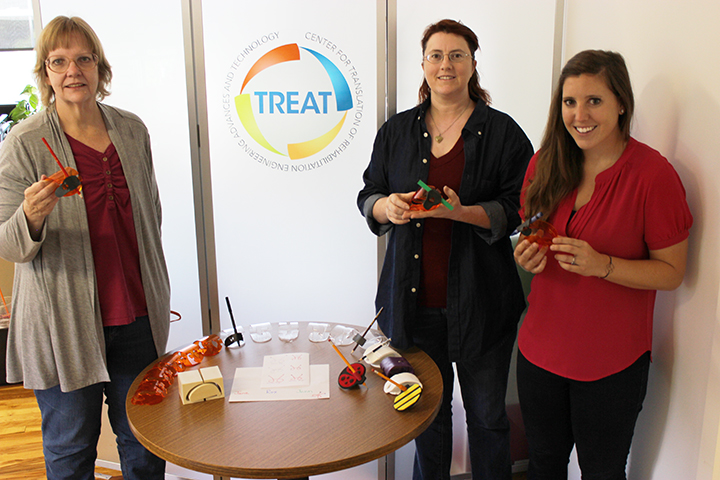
(246, 386)
(286, 370)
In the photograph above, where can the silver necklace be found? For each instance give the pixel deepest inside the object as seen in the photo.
(439, 137)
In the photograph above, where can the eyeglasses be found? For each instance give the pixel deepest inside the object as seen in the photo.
(60, 64)
(455, 57)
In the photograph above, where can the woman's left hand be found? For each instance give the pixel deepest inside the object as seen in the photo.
(577, 256)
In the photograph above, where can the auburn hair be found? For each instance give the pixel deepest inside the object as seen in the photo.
(477, 93)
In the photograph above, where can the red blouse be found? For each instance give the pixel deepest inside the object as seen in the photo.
(586, 328)
(112, 234)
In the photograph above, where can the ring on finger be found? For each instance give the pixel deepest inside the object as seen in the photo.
(573, 261)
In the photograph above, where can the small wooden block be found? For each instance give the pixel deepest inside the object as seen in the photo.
(213, 375)
(200, 385)
(186, 382)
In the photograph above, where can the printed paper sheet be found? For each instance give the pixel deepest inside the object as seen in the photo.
(247, 386)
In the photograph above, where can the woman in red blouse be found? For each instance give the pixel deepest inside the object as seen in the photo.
(623, 223)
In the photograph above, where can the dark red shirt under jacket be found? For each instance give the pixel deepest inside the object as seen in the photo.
(437, 235)
(112, 234)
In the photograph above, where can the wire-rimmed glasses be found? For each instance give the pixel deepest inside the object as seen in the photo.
(438, 57)
(60, 64)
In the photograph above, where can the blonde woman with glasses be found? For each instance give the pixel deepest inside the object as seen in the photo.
(91, 294)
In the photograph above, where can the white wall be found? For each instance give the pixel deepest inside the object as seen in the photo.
(671, 51)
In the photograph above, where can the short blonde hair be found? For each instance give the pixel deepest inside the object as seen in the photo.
(57, 34)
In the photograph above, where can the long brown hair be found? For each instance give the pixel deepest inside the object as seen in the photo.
(559, 166)
(477, 93)
(57, 34)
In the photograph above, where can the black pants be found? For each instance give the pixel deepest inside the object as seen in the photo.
(597, 417)
(483, 383)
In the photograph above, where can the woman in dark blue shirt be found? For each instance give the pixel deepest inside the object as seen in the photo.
(449, 284)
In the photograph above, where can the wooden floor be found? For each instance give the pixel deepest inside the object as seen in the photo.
(21, 455)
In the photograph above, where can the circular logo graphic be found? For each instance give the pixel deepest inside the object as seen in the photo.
(293, 101)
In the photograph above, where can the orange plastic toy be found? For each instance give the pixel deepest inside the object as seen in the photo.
(67, 185)
(425, 201)
(541, 232)
(157, 380)
(428, 198)
(68, 179)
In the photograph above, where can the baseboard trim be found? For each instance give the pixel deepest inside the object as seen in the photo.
(116, 466)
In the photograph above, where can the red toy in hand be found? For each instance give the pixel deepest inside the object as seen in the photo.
(425, 201)
(540, 232)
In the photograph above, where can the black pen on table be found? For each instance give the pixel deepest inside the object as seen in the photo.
(238, 336)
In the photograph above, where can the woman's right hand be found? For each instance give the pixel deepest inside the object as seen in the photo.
(395, 208)
(39, 201)
(530, 256)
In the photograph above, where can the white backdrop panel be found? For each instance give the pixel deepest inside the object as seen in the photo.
(291, 244)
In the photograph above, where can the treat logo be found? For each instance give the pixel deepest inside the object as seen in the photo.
(299, 106)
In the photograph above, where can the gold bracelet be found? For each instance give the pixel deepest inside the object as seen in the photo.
(609, 268)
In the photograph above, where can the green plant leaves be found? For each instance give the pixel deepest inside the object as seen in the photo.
(23, 109)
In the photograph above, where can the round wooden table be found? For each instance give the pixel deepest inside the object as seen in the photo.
(285, 439)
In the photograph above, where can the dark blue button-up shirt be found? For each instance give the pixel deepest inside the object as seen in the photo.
(484, 294)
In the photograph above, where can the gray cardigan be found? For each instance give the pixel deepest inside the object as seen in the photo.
(56, 331)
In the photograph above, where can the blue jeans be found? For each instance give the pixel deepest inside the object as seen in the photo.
(597, 417)
(71, 420)
(483, 385)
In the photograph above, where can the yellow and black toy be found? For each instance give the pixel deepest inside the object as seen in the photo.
(408, 396)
